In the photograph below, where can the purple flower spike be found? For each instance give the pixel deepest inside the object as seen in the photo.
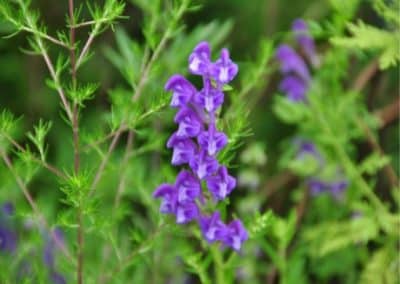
(213, 141)
(190, 124)
(221, 184)
(224, 70)
(294, 88)
(236, 234)
(291, 62)
(212, 227)
(188, 187)
(211, 100)
(199, 60)
(183, 149)
(186, 212)
(170, 198)
(182, 90)
(203, 165)
(197, 142)
(304, 39)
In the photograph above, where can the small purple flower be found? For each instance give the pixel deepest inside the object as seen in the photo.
(186, 212)
(294, 88)
(210, 99)
(337, 188)
(169, 194)
(190, 123)
(8, 209)
(203, 165)
(221, 184)
(317, 186)
(305, 40)
(236, 234)
(183, 149)
(291, 62)
(224, 70)
(182, 90)
(212, 140)
(199, 60)
(188, 187)
(57, 278)
(212, 227)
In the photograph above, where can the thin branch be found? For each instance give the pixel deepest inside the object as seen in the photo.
(365, 76)
(45, 36)
(46, 165)
(53, 74)
(125, 159)
(388, 113)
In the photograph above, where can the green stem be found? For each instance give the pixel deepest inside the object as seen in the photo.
(218, 265)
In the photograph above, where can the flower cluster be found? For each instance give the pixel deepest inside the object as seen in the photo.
(297, 76)
(9, 244)
(195, 145)
(318, 181)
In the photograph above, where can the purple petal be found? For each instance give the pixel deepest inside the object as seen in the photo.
(8, 239)
(57, 278)
(190, 124)
(182, 90)
(317, 186)
(203, 165)
(236, 235)
(221, 184)
(212, 227)
(188, 187)
(210, 99)
(8, 209)
(186, 212)
(224, 70)
(169, 194)
(291, 62)
(212, 141)
(199, 60)
(294, 87)
(183, 149)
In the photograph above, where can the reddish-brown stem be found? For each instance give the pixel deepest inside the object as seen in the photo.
(75, 133)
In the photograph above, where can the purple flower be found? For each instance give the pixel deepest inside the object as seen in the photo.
(294, 88)
(305, 40)
(203, 165)
(183, 149)
(199, 60)
(221, 184)
(186, 212)
(190, 123)
(182, 90)
(169, 194)
(224, 70)
(212, 140)
(212, 228)
(291, 62)
(188, 187)
(210, 99)
(235, 235)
